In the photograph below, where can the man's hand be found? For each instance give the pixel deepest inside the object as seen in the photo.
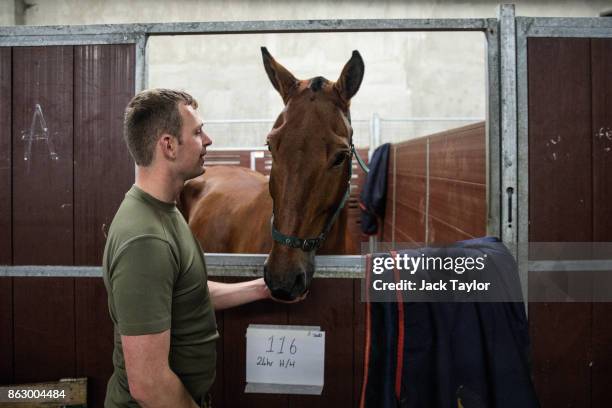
(226, 295)
(152, 383)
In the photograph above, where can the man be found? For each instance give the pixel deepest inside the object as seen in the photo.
(159, 297)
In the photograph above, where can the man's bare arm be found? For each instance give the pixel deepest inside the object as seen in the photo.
(226, 295)
(152, 382)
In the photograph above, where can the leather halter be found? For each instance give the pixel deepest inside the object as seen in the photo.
(312, 244)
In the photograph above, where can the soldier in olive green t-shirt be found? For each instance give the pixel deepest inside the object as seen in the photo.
(155, 276)
(159, 296)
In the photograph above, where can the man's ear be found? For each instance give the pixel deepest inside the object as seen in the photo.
(282, 80)
(167, 146)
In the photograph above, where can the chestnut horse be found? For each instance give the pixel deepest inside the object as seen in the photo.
(300, 210)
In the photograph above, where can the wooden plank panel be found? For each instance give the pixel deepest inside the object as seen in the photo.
(557, 331)
(601, 67)
(409, 224)
(560, 150)
(460, 204)
(410, 183)
(559, 140)
(42, 185)
(240, 158)
(44, 329)
(104, 84)
(388, 227)
(330, 305)
(6, 249)
(234, 357)
(6, 330)
(411, 157)
(359, 340)
(442, 233)
(94, 337)
(459, 154)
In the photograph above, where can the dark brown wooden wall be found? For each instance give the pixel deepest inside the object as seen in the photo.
(53, 212)
(456, 208)
(333, 304)
(6, 284)
(570, 200)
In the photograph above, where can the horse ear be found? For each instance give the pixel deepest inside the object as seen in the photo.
(281, 78)
(350, 79)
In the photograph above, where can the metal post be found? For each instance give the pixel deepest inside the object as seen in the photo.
(492, 131)
(508, 124)
(374, 134)
(511, 193)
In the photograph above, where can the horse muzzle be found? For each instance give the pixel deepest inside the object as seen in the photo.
(288, 274)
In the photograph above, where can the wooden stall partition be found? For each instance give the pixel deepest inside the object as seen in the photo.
(5, 156)
(235, 324)
(405, 215)
(560, 209)
(42, 179)
(241, 158)
(103, 172)
(457, 185)
(43, 161)
(43, 310)
(570, 134)
(6, 248)
(436, 188)
(359, 335)
(61, 150)
(264, 164)
(330, 305)
(601, 66)
(103, 168)
(6, 330)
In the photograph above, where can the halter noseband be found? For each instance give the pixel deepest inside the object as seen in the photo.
(312, 244)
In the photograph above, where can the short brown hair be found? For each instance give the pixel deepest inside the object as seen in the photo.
(150, 114)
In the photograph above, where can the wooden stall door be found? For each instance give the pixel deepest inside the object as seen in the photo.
(570, 200)
(104, 82)
(43, 308)
(63, 172)
(6, 247)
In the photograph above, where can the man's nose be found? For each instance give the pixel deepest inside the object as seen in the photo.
(206, 140)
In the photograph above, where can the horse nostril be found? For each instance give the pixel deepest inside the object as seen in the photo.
(300, 282)
(282, 294)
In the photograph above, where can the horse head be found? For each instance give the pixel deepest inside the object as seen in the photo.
(311, 147)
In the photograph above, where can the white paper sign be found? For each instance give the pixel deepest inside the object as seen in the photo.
(285, 355)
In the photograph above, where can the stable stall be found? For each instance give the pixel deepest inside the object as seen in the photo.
(63, 91)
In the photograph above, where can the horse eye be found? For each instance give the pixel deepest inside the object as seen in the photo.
(340, 158)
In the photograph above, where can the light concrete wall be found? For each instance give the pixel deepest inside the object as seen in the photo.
(407, 74)
(7, 12)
